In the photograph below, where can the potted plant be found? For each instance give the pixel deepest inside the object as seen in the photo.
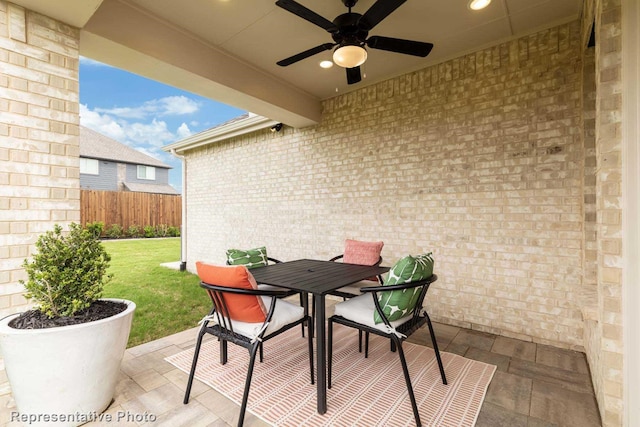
(63, 357)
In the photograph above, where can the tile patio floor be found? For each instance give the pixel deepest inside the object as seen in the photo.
(534, 385)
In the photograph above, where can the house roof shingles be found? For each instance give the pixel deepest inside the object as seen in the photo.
(97, 146)
(150, 188)
(94, 145)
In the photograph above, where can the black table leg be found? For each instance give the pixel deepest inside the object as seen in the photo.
(321, 354)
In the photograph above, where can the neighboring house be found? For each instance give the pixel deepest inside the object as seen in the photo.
(106, 164)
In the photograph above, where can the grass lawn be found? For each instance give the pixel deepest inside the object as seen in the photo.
(167, 301)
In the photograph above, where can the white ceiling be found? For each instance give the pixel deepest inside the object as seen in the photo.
(261, 33)
(238, 42)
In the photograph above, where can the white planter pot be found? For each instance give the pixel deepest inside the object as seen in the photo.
(68, 373)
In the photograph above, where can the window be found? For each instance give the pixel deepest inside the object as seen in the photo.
(89, 166)
(146, 172)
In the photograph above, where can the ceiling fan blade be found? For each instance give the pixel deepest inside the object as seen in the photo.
(309, 15)
(303, 55)
(376, 13)
(408, 47)
(353, 75)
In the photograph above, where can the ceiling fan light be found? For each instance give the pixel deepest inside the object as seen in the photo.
(349, 56)
(478, 4)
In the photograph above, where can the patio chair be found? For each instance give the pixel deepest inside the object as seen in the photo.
(252, 258)
(357, 252)
(363, 253)
(393, 311)
(244, 315)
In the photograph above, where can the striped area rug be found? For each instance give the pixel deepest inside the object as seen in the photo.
(365, 392)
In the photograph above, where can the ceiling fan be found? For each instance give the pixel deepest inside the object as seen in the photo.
(349, 32)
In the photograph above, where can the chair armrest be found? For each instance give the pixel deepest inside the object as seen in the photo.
(256, 292)
(373, 290)
(337, 257)
(221, 312)
(401, 286)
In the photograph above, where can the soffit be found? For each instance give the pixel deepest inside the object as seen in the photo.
(227, 49)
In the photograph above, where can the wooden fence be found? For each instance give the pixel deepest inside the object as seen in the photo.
(127, 208)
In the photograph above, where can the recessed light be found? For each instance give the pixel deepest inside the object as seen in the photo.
(478, 4)
(326, 64)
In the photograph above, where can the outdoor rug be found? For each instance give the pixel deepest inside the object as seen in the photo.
(365, 392)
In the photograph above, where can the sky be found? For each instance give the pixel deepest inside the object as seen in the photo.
(144, 114)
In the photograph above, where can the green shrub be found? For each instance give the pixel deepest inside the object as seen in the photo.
(149, 231)
(162, 230)
(96, 228)
(133, 231)
(68, 272)
(115, 231)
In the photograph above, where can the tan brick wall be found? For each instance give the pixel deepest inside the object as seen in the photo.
(479, 159)
(592, 332)
(39, 171)
(590, 256)
(608, 375)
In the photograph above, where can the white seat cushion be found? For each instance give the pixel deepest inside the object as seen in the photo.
(284, 313)
(360, 309)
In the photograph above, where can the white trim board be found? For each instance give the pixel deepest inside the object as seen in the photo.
(631, 209)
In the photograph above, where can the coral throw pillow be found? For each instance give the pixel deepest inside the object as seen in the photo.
(363, 253)
(244, 308)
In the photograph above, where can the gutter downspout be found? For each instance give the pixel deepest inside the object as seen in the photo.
(183, 225)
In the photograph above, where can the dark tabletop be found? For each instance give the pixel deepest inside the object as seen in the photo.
(314, 276)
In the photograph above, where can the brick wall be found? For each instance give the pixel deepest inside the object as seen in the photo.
(608, 57)
(479, 159)
(39, 174)
(592, 333)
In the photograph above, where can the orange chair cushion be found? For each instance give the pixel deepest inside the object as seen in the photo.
(244, 308)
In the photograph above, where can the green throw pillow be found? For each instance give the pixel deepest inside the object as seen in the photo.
(397, 304)
(250, 258)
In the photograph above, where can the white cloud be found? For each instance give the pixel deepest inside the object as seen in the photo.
(126, 112)
(184, 131)
(102, 123)
(177, 106)
(154, 134)
(142, 127)
(167, 106)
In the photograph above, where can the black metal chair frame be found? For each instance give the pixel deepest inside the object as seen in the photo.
(223, 329)
(304, 299)
(418, 318)
(346, 295)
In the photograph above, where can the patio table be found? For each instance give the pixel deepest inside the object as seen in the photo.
(317, 278)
